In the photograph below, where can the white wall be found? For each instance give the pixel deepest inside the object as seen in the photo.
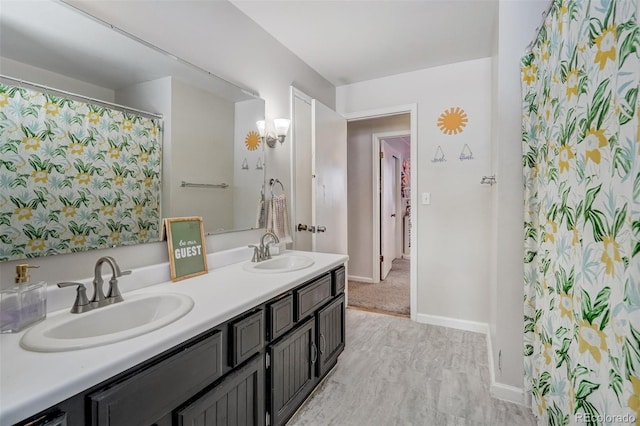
(517, 23)
(25, 72)
(218, 37)
(247, 183)
(360, 188)
(453, 234)
(201, 156)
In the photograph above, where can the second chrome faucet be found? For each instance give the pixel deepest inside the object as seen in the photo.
(82, 303)
(262, 252)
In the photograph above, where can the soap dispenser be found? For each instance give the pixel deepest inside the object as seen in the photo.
(24, 304)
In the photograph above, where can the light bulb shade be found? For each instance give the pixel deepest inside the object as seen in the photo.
(262, 126)
(281, 125)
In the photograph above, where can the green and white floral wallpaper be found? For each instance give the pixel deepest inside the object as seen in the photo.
(581, 146)
(74, 176)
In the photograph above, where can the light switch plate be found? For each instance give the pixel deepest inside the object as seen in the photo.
(426, 198)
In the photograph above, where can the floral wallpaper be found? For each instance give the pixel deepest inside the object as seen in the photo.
(581, 146)
(74, 176)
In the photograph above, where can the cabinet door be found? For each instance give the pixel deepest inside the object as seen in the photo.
(331, 334)
(237, 400)
(247, 338)
(279, 317)
(291, 374)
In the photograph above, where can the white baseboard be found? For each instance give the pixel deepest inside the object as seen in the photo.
(507, 393)
(497, 390)
(406, 256)
(360, 279)
(477, 327)
(500, 390)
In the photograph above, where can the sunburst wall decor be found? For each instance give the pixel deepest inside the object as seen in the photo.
(452, 121)
(252, 141)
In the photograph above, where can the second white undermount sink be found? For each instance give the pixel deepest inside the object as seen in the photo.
(282, 263)
(135, 316)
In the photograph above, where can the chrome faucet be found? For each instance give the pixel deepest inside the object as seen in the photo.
(113, 295)
(266, 253)
(262, 252)
(82, 303)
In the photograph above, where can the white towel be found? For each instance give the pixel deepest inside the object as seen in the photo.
(278, 218)
(261, 221)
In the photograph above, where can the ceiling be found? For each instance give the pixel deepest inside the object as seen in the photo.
(347, 41)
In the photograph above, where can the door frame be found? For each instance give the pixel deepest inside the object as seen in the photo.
(294, 92)
(377, 139)
(412, 110)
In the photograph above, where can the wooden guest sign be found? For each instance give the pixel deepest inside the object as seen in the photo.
(186, 245)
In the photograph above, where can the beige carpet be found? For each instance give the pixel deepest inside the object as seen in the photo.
(390, 295)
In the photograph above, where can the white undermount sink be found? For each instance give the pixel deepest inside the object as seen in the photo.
(135, 316)
(282, 263)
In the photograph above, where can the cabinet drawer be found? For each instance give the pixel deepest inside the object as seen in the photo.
(247, 337)
(149, 394)
(312, 296)
(338, 278)
(279, 317)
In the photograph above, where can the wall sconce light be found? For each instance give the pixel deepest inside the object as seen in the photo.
(281, 126)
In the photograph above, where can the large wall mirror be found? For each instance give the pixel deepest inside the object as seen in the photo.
(210, 160)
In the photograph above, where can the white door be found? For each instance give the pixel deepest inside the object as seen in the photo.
(301, 169)
(329, 174)
(388, 209)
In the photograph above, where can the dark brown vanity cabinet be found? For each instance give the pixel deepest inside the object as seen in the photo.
(255, 369)
(297, 360)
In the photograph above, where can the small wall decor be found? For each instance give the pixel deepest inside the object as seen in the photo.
(186, 245)
(260, 164)
(405, 178)
(439, 156)
(452, 121)
(245, 165)
(466, 153)
(252, 141)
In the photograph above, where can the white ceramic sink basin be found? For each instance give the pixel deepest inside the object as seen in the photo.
(283, 263)
(137, 315)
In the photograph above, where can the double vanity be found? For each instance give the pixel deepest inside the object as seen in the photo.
(243, 344)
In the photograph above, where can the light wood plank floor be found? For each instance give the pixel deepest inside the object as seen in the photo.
(398, 372)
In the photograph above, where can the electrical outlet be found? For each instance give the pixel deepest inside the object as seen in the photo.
(426, 198)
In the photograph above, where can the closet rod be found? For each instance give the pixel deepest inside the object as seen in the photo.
(21, 82)
(539, 27)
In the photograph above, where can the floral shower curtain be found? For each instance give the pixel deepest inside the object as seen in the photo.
(581, 147)
(74, 176)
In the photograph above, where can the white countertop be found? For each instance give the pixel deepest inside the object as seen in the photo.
(31, 381)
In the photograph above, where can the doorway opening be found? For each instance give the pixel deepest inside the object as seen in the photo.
(380, 272)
